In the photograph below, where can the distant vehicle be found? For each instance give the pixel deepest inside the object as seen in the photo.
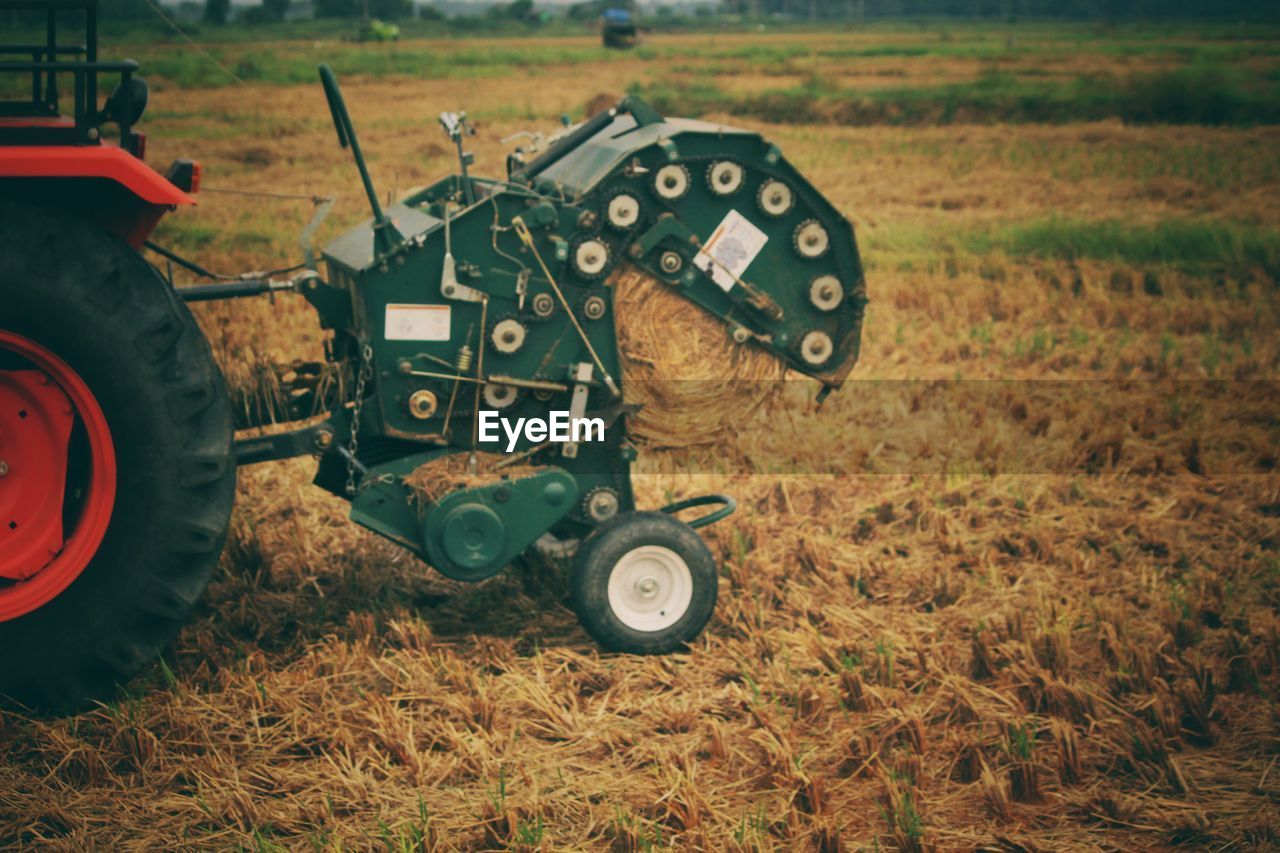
(375, 30)
(618, 29)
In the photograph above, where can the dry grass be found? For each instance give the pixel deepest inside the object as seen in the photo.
(909, 652)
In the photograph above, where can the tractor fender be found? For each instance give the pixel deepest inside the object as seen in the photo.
(104, 184)
(82, 161)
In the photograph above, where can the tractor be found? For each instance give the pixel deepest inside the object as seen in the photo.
(467, 300)
(618, 29)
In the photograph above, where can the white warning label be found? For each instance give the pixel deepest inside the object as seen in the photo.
(418, 322)
(733, 246)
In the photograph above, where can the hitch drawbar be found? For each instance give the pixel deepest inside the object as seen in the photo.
(232, 290)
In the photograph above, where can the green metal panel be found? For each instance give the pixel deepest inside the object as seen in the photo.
(472, 534)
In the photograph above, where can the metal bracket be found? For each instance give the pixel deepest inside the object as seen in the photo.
(744, 293)
(666, 226)
(323, 206)
(315, 440)
(581, 376)
(450, 287)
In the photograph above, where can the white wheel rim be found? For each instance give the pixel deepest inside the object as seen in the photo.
(591, 257)
(650, 588)
(623, 211)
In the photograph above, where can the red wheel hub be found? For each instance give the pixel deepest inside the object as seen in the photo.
(57, 476)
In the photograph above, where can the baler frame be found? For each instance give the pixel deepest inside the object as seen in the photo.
(373, 477)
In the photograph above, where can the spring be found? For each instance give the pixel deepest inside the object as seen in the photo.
(464, 358)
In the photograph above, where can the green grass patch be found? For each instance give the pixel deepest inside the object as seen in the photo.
(1207, 94)
(1191, 245)
(186, 236)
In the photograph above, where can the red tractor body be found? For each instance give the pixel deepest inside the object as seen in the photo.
(108, 390)
(52, 160)
(102, 183)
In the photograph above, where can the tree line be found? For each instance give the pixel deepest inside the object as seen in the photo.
(220, 11)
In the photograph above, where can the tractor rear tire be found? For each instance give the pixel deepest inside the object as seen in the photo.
(93, 302)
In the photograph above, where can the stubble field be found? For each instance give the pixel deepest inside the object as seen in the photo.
(967, 614)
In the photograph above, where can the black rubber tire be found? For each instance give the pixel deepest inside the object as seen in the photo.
(600, 553)
(94, 302)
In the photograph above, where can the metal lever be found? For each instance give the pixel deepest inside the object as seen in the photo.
(385, 236)
(457, 126)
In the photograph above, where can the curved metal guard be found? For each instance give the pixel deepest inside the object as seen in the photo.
(727, 506)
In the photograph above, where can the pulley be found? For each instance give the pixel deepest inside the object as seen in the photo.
(775, 198)
(671, 181)
(508, 335)
(724, 177)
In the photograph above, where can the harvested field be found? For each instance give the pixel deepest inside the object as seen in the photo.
(956, 613)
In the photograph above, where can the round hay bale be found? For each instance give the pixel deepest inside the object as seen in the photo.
(693, 382)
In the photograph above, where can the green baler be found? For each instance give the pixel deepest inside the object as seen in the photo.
(477, 295)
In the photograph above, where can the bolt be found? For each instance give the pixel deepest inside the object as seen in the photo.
(502, 494)
(404, 366)
(508, 337)
(422, 404)
(587, 220)
(323, 439)
(4, 468)
(670, 262)
(448, 290)
(543, 305)
(647, 587)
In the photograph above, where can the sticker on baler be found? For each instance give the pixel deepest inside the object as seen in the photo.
(418, 322)
(733, 245)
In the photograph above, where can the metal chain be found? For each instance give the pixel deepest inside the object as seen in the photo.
(363, 374)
